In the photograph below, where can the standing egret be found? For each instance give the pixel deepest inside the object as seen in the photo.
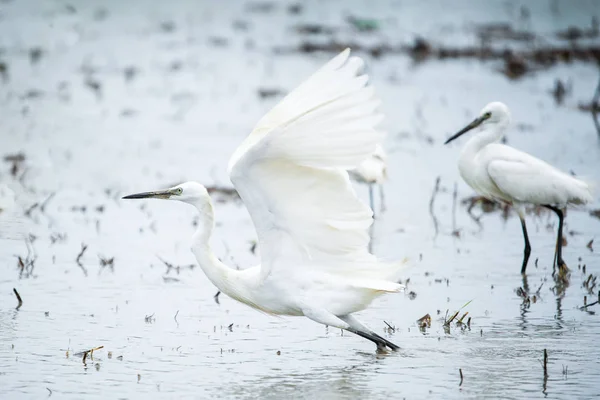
(502, 173)
(312, 229)
(373, 171)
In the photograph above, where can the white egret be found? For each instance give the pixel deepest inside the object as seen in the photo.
(502, 173)
(373, 171)
(312, 229)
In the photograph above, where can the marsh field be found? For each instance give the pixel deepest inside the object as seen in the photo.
(99, 99)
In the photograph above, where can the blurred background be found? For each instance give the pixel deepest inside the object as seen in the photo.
(99, 99)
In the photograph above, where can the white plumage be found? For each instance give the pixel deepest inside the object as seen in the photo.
(312, 229)
(373, 171)
(505, 174)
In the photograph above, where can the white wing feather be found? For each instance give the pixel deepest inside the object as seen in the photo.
(290, 173)
(526, 179)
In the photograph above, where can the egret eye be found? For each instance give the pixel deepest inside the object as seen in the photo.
(178, 190)
(487, 115)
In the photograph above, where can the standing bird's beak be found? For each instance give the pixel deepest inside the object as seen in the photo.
(476, 122)
(161, 194)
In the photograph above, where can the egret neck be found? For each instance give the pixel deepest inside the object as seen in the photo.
(217, 272)
(491, 132)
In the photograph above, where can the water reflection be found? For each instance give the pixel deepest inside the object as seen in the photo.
(349, 382)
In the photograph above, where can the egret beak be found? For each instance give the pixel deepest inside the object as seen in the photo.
(161, 194)
(476, 122)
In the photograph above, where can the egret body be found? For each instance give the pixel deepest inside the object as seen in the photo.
(502, 173)
(312, 229)
(373, 171)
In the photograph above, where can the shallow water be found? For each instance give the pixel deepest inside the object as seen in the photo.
(180, 117)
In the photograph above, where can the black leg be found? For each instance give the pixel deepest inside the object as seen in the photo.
(375, 338)
(527, 250)
(559, 260)
(387, 342)
(380, 344)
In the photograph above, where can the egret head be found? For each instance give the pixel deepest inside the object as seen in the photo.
(188, 192)
(495, 113)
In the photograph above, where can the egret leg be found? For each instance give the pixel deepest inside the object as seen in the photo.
(558, 254)
(359, 328)
(527, 250)
(371, 198)
(380, 345)
(382, 198)
(324, 317)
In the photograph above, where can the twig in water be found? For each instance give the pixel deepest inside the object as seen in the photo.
(584, 307)
(49, 392)
(451, 318)
(168, 264)
(30, 209)
(545, 372)
(19, 299)
(391, 328)
(45, 202)
(424, 322)
(216, 297)
(83, 249)
(461, 318)
(78, 259)
(106, 261)
(436, 189)
(461, 376)
(175, 317)
(90, 352)
(176, 268)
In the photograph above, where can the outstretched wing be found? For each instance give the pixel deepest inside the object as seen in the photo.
(291, 170)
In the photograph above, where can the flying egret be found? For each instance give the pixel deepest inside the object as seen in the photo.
(373, 171)
(502, 173)
(312, 229)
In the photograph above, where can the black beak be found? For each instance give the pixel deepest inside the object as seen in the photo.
(476, 122)
(161, 194)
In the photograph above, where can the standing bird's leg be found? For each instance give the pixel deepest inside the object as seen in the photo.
(558, 252)
(371, 198)
(382, 198)
(527, 250)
